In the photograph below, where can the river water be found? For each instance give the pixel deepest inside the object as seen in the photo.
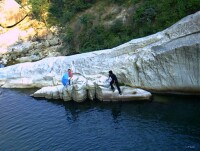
(168, 123)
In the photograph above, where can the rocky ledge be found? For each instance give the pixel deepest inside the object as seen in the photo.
(102, 94)
(81, 90)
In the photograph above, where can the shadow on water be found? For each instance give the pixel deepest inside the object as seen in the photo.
(173, 110)
(175, 98)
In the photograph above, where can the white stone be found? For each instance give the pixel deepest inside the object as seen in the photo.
(103, 94)
(128, 94)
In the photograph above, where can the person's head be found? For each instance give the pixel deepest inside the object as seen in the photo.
(69, 70)
(110, 72)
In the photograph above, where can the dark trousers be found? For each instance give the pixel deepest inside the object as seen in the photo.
(116, 83)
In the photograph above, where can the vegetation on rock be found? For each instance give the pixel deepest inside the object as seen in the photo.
(99, 24)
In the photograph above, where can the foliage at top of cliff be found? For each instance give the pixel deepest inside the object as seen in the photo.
(99, 24)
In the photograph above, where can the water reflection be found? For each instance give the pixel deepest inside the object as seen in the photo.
(183, 110)
(176, 109)
(116, 111)
(174, 123)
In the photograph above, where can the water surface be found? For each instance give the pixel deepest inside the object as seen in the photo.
(169, 123)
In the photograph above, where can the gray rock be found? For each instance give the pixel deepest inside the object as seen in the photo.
(28, 58)
(54, 41)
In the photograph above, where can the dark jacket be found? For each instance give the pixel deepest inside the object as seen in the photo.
(114, 78)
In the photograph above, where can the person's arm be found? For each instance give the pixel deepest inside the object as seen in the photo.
(108, 78)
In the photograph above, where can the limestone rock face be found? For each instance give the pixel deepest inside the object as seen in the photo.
(11, 13)
(173, 66)
(166, 61)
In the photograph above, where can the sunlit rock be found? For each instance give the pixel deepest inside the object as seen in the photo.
(11, 13)
(128, 94)
(23, 30)
(102, 93)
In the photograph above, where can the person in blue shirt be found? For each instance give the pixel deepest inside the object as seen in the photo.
(114, 81)
(1, 64)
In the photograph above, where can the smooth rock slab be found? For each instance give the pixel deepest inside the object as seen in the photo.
(128, 94)
(102, 93)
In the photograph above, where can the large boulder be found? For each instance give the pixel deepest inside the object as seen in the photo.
(167, 61)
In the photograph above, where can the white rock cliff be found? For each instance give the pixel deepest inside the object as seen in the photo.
(167, 61)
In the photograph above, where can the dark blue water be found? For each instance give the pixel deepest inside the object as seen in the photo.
(169, 123)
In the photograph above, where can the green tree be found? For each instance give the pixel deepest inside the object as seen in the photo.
(40, 9)
(90, 31)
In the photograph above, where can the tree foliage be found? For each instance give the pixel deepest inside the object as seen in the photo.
(91, 33)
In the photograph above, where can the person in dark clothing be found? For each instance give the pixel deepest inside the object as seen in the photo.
(114, 81)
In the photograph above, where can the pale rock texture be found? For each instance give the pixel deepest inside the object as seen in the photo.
(11, 13)
(128, 94)
(102, 94)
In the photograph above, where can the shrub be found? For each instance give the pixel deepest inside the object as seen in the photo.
(86, 19)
